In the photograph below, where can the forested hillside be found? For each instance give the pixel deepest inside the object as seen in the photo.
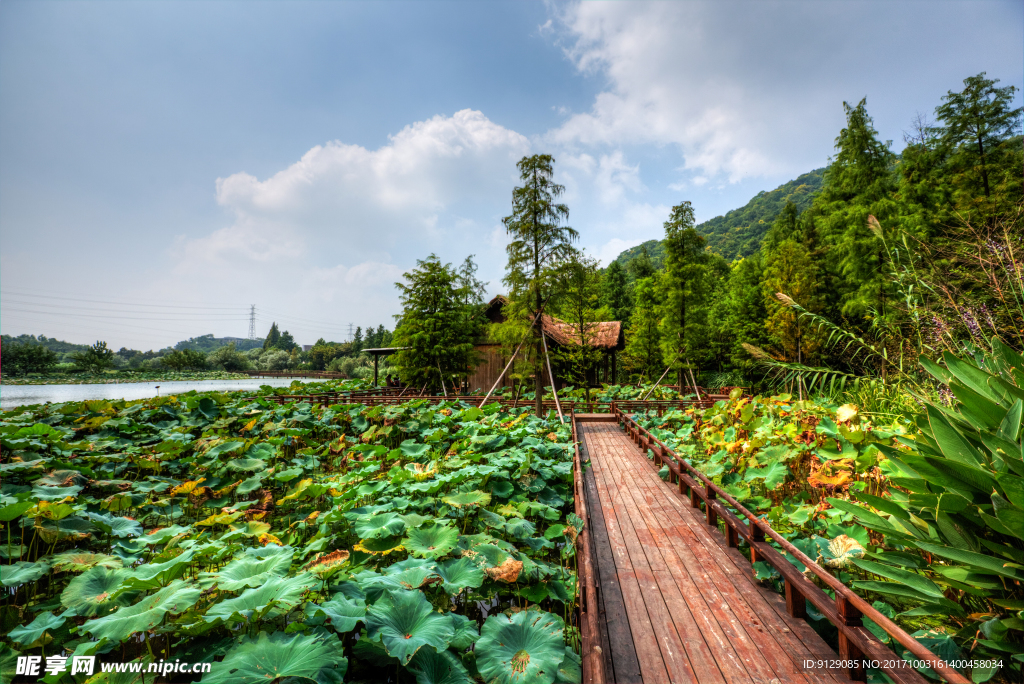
(740, 232)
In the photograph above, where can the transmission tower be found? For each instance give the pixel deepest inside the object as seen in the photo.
(351, 331)
(252, 322)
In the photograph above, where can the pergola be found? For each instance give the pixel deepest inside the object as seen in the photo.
(379, 352)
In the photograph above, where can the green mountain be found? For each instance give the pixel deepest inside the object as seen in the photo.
(739, 232)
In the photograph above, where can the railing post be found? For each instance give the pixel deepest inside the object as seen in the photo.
(732, 538)
(851, 617)
(756, 535)
(709, 511)
(694, 498)
(796, 603)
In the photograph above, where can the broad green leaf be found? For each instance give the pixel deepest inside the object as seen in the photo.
(465, 499)
(249, 570)
(37, 630)
(458, 574)
(90, 593)
(431, 541)
(275, 597)
(22, 572)
(527, 646)
(177, 597)
(281, 657)
(344, 613)
(379, 525)
(438, 667)
(406, 622)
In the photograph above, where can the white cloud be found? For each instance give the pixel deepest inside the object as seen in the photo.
(329, 235)
(691, 75)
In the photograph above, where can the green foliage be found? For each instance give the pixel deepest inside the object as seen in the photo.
(578, 306)
(19, 359)
(642, 359)
(260, 532)
(615, 292)
(95, 358)
(685, 285)
(540, 248)
(187, 359)
(441, 320)
(963, 504)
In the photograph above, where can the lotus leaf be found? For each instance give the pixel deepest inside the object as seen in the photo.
(344, 612)
(431, 541)
(36, 632)
(280, 656)
(176, 597)
(115, 525)
(90, 593)
(438, 667)
(466, 632)
(22, 572)
(382, 546)
(379, 525)
(275, 597)
(458, 574)
(466, 499)
(249, 570)
(527, 646)
(406, 622)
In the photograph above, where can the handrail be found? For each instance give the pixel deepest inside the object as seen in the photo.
(590, 631)
(848, 607)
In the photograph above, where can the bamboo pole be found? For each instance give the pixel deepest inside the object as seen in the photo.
(657, 383)
(510, 361)
(441, 375)
(692, 380)
(551, 377)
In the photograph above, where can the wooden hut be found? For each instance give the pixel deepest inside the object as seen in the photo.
(606, 335)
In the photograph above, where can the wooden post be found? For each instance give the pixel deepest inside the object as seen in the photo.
(376, 358)
(731, 536)
(850, 617)
(694, 498)
(756, 535)
(709, 511)
(796, 604)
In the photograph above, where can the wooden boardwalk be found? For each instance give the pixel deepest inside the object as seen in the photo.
(678, 604)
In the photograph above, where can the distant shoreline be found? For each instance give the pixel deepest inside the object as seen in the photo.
(120, 378)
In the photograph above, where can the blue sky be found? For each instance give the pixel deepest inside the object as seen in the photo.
(165, 164)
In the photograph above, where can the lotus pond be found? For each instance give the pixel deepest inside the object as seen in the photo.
(426, 543)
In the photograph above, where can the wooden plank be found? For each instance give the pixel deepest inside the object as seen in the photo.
(620, 652)
(663, 612)
(735, 654)
(740, 619)
(652, 664)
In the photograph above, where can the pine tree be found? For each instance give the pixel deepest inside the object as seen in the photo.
(357, 340)
(615, 293)
(684, 291)
(790, 270)
(270, 341)
(744, 308)
(540, 247)
(858, 183)
(642, 357)
(979, 122)
(437, 325)
(578, 307)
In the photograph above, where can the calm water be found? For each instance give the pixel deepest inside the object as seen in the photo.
(20, 395)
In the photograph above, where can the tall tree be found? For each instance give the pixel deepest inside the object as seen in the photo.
(615, 293)
(440, 321)
(642, 358)
(684, 290)
(357, 340)
(790, 270)
(541, 245)
(745, 311)
(978, 123)
(578, 307)
(272, 338)
(858, 183)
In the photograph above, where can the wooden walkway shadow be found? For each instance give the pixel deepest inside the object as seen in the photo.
(678, 604)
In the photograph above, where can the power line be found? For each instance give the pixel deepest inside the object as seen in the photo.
(119, 303)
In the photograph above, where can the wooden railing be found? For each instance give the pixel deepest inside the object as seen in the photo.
(392, 396)
(856, 644)
(590, 628)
